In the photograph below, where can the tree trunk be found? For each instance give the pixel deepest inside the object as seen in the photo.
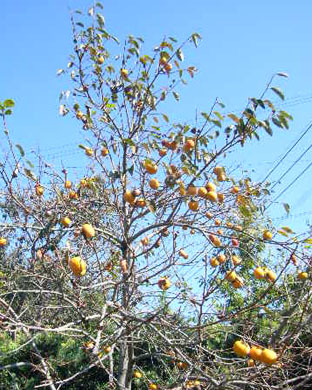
(124, 369)
(124, 379)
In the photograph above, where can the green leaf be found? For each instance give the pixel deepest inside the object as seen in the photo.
(100, 20)
(286, 115)
(166, 44)
(308, 240)
(282, 74)
(128, 141)
(20, 149)
(165, 118)
(217, 123)
(195, 37)
(205, 115)
(278, 92)
(30, 164)
(180, 55)
(218, 115)
(286, 207)
(134, 42)
(277, 122)
(282, 233)
(30, 174)
(144, 59)
(110, 69)
(261, 104)
(268, 130)
(8, 103)
(8, 112)
(114, 39)
(262, 124)
(244, 211)
(165, 54)
(283, 121)
(134, 50)
(287, 229)
(176, 96)
(253, 121)
(59, 72)
(249, 113)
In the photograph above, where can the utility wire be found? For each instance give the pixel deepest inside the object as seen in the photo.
(290, 168)
(287, 188)
(292, 101)
(287, 153)
(290, 216)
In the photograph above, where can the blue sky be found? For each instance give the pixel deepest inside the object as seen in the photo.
(243, 44)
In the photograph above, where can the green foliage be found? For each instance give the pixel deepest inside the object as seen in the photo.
(5, 107)
(65, 356)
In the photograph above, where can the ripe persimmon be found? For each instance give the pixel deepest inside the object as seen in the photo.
(193, 205)
(150, 167)
(154, 184)
(78, 266)
(87, 230)
(259, 273)
(3, 241)
(241, 348)
(268, 356)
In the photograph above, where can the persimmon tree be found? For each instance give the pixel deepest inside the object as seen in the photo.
(160, 260)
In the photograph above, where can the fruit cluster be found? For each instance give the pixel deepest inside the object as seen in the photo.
(264, 355)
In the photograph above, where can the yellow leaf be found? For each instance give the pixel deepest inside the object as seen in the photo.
(287, 229)
(234, 118)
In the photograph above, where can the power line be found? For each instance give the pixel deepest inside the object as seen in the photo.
(51, 148)
(290, 216)
(287, 153)
(295, 101)
(287, 188)
(292, 101)
(290, 168)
